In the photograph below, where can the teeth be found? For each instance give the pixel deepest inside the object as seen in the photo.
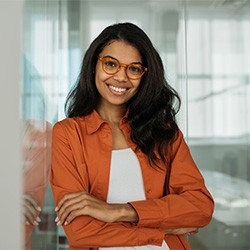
(117, 89)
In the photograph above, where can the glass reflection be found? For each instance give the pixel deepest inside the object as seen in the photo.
(36, 153)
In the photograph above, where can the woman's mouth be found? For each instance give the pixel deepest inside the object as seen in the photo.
(117, 90)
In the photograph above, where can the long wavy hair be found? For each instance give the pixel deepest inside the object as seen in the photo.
(151, 112)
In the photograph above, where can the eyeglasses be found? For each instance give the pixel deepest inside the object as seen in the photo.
(111, 66)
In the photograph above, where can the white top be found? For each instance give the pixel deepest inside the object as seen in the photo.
(125, 185)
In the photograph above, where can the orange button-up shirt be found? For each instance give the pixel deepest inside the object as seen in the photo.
(81, 156)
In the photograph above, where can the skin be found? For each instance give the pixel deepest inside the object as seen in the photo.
(31, 210)
(111, 107)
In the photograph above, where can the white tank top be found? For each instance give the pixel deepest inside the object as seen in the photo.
(125, 185)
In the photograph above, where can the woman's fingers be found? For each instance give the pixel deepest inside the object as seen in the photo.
(78, 204)
(63, 216)
(32, 201)
(69, 203)
(30, 210)
(75, 213)
(65, 199)
(29, 216)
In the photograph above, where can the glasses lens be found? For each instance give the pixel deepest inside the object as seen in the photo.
(111, 66)
(135, 70)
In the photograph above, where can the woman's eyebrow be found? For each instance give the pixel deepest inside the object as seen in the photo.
(108, 56)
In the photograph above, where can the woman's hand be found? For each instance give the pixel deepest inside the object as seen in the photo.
(30, 210)
(82, 203)
(182, 231)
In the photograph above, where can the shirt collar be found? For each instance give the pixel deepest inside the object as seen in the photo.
(94, 121)
(124, 118)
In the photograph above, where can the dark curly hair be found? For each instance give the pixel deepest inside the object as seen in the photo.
(151, 112)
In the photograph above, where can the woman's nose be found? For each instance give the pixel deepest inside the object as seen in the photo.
(121, 75)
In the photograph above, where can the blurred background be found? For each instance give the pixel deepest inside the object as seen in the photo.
(205, 47)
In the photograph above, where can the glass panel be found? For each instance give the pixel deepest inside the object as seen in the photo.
(40, 90)
(56, 35)
(215, 106)
(218, 115)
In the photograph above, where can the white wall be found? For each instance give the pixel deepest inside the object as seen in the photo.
(10, 181)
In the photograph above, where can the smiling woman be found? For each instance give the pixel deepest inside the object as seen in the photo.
(122, 174)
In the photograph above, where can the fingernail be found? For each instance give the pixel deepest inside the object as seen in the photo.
(39, 209)
(66, 223)
(38, 219)
(59, 223)
(27, 223)
(57, 219)
(56, 209)
(35, 223)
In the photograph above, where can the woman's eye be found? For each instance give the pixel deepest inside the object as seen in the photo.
(135, 69)
(111, 64)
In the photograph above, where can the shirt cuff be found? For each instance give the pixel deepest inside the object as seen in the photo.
(149, 213)
(150, 236)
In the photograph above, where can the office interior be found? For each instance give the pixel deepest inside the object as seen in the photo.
(205, 48)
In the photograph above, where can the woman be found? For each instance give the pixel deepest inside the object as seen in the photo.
(122, 174)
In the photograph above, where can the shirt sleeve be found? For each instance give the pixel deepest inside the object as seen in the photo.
(188, 204)
(85, 231)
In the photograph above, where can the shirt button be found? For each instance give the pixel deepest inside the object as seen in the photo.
(149, 191)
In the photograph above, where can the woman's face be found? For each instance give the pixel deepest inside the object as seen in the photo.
(117, 89)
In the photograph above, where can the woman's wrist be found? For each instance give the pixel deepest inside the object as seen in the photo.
(126, 213)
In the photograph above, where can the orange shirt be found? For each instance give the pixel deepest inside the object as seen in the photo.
(81, 156)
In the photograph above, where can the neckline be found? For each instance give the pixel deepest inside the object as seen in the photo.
(121, 150)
